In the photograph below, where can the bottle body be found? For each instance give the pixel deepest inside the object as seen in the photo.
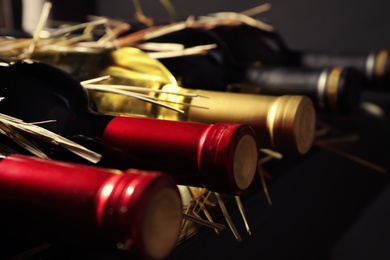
(76, 201)
(249, 45)
(214, 69)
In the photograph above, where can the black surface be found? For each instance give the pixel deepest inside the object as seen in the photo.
(369, 237)
(314, 204)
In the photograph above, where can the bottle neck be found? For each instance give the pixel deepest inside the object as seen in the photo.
(374, 67)
(332, 89)
(88, 127)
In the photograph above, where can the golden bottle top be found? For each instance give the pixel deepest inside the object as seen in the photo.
(284, 123)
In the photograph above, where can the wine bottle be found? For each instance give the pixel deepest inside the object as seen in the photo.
(335, 90)
(285, 124)
(373, 66)
(137, 209)
(250, 44)
(243, 57)
(222, 157)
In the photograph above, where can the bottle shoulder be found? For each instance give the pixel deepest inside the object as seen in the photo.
(34, 91)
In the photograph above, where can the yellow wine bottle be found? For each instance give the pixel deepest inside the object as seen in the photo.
(283, 123)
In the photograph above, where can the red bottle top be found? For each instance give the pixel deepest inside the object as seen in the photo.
(222, 157)
(136, 209)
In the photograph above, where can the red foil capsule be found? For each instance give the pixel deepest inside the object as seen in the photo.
(222, 157)
(136, 209)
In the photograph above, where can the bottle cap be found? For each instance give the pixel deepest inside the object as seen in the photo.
(381, 70)
(229, 157)
(195, 154)
(291, 123)
(343, 88)
(149, 205)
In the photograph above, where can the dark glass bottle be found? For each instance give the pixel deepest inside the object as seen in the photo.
(336, 89)
(214, 70)
(137, 209)
(250, 44)
(245, 57)
(373, 66)
(222, 157)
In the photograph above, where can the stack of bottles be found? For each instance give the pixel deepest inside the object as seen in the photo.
(197, 120)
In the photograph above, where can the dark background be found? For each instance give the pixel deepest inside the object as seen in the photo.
(304, 24)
